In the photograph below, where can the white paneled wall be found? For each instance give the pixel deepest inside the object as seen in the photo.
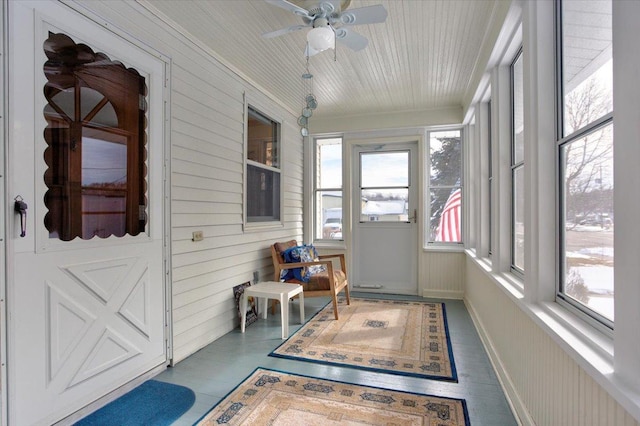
(441, 274)
(546, 386)
(207, 149)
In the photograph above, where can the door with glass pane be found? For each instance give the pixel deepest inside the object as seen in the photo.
(385, 237)
(85, 281)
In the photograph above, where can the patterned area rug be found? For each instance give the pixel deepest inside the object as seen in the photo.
(391, 336)
(270, 397)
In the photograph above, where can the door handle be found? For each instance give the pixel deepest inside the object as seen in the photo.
(413, 218)
(21, 207)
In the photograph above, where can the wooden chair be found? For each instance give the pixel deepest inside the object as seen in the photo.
(328, 283)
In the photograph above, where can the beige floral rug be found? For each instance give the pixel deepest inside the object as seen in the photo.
(269, 397)
(392, 336)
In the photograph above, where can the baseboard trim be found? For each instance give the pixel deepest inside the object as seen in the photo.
(443, 294)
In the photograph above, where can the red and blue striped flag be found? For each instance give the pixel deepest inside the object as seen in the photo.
(449, 227)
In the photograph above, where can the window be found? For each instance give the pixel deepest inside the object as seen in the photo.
(263, 168)
(445, 186)
(96, 144)
(585, 151)
(517, 165)
(328, 189)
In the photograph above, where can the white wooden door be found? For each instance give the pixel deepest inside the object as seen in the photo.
(385, 232)
(88, 315)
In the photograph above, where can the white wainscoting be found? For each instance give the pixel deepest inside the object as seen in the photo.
(207, 149)
(441, 274)
(545, 385)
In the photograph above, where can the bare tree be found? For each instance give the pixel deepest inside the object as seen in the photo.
(586, 157)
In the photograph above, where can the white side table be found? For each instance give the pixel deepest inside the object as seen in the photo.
(273, 290)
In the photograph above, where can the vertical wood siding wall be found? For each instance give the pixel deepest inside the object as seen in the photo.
(545, 384)
(441, 274)
(207, 149)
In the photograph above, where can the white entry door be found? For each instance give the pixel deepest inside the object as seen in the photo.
(385, 232)
(85, 289)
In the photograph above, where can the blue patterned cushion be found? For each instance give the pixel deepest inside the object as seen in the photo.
(313, 253)
(294, 255)
(303, 253)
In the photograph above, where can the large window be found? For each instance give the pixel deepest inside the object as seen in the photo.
(96, 144)
(263, 168)
(585, 151)
(517, 165)
(445, 186)
(328, 189)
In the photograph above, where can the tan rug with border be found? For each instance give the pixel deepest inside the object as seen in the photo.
(409, 338)
(269, 397)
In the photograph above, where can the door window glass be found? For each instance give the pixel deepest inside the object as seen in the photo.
(96, 143)
(384, 186)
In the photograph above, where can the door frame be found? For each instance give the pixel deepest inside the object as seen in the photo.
(352, 176)
(3, 212)
(8, 221)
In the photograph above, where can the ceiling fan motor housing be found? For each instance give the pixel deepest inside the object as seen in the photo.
(320, 22)
(329, 21)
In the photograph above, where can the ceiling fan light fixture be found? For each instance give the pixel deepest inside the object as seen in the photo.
(321, 38)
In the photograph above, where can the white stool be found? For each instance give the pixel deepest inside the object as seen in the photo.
(273, 290)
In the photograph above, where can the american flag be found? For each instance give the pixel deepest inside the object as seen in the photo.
(449, 227)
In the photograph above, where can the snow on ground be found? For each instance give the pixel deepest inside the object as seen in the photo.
(597, 278)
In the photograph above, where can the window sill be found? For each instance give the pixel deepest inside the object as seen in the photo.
(444, 248)
(262, 226)
(574, 335)
(509, 283)
(330, 244)
(590, 348)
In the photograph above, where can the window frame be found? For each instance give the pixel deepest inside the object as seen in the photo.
(514, 165)
(317, 189)
(429, 242)
(593, 317)
(264, 221)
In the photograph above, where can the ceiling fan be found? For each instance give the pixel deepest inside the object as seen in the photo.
(329, 22)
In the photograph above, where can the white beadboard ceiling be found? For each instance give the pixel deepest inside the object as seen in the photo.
(429, 54)
(423, 57)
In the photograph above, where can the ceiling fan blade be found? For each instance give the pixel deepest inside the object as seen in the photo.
(284, 31)
(284, 4)
(364, 15)
(351, 39)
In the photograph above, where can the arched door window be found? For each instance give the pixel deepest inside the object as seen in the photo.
(96, 143)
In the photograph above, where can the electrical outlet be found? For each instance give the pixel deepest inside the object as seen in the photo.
(197, 236)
